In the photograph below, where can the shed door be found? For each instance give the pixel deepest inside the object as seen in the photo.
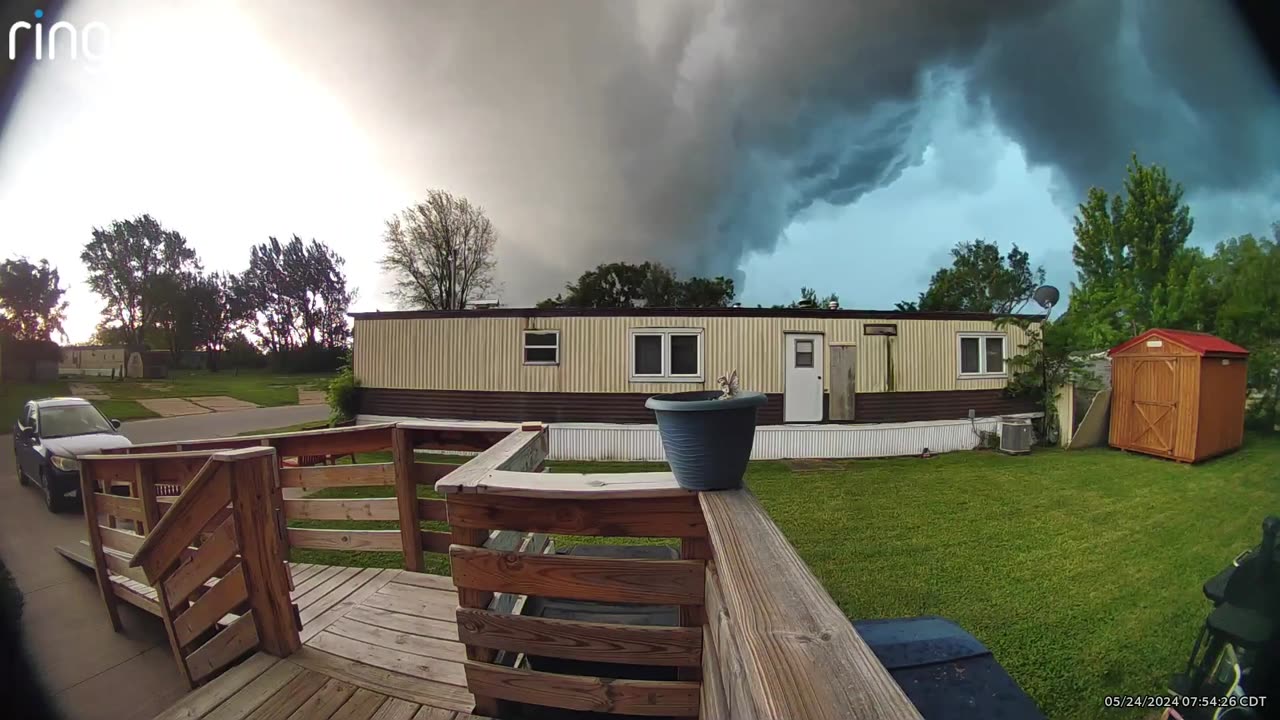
(1153, 420)
(802, 401)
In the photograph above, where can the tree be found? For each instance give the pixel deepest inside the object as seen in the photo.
(809, 299)
(1043, 364)
(649, 284)
(218, 311)
(31, 304)
(130, 264)
(980, 280)
(1134, 269)
(440, 253)
(1244, 283)
(701, 292)
(176, 306)
(298, 294)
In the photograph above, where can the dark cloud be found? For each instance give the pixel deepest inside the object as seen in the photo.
(694, 133)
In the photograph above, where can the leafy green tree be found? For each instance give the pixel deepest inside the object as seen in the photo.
(132, 264)
(177, 299)
(298, 295)
(809, 299)
(699, 292)
(31, 304)
(1134, 269)
(1044, 363)
(649, 284)
(1244, 281)
(219, 311)
(980, 279)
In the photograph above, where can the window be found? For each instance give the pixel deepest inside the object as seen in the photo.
(804, 353)
(648, 352)
(541, 347)
(662, 355)
(982, 354)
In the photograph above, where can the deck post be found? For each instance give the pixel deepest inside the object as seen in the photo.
(88, 490)
(477, 599)
(407, 498)
(145, 489)
(693, 615)
(265, 572)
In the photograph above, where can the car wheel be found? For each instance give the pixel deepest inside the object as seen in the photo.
(55, 503)
(22, 476)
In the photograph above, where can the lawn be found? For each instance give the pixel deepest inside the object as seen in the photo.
(256, 386)
(1080, 570)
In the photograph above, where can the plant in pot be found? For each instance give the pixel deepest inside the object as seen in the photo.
(708, 434)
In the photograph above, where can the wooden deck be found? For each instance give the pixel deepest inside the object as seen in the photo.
(757, 636)
(377, 643)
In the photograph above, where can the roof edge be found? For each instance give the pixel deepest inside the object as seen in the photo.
(688, 312)
(1179, 337)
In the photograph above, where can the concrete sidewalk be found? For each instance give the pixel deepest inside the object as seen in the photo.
(91, 671)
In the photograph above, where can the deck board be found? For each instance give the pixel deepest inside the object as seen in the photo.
(378, 644)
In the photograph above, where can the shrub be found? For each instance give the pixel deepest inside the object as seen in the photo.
(343, 396)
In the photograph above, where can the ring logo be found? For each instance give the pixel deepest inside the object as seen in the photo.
(80, 41)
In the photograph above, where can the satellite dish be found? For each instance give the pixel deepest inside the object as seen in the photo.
(1046, 296)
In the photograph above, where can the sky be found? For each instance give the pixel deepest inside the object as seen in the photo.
(842, 146)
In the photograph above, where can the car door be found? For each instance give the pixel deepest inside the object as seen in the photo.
(23, 446)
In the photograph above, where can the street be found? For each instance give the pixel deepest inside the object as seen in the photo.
(91, 671)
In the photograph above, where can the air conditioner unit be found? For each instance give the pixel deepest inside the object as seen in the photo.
(1015, 436)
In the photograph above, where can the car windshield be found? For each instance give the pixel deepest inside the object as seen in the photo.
(61, 421)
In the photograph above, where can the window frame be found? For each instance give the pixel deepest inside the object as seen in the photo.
(525, 346)
(982, 373)
(665, 376)
(795, 353)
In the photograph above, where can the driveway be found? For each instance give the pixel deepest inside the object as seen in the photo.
(91, 671)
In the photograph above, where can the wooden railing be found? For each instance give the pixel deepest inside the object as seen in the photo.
(142, 471)
(229, 595)
(491, 493)
(759, 637)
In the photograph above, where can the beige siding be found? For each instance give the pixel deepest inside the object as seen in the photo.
(485, 353)
(92, 358)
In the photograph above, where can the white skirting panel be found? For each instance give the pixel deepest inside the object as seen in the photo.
(599, 441)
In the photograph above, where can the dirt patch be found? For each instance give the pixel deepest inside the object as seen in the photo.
(811, 465)
(310, 397)
(172, 407)
(222, 403)
(88, 391)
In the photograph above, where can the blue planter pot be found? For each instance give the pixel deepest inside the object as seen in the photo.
(707, 441)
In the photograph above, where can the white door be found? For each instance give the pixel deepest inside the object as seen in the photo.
(802, 399)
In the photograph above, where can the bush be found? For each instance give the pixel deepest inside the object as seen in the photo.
(343, 396)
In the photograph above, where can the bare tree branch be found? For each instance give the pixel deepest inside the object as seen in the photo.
(440, 253)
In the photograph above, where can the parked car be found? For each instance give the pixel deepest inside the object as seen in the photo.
(48, 437)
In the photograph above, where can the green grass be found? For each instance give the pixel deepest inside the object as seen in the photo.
(14, 395)
(255, 386)
(123, 409)
(1081, 571)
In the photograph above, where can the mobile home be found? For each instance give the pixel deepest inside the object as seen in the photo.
(839, 368)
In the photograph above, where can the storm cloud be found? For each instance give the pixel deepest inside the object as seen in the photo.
(695, 133)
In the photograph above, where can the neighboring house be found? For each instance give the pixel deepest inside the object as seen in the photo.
(599, 365)
(100, 360)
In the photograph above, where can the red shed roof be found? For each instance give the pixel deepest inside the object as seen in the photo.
(1203, 343)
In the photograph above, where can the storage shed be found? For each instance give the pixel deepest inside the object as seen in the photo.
(1178, 394)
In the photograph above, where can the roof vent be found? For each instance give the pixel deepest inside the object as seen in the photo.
(833, 305)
